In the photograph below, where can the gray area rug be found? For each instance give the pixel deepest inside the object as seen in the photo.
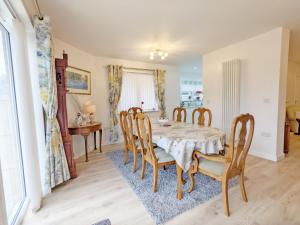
(163, 205)
(103, 222)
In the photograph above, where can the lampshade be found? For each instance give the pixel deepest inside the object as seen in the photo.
(89, 109)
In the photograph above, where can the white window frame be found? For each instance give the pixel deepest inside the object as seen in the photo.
(3, 214)
(7, 25)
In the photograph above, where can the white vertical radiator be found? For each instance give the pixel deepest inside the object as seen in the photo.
(231, 93)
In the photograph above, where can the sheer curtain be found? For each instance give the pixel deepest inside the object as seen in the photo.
(138, 87)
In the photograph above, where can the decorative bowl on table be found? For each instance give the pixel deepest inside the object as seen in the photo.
(164, 122)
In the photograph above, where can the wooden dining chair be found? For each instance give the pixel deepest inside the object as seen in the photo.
(155, 157)
(178, 111)
(134, 111)
(222, 168)
(130, 142)
(201, 116)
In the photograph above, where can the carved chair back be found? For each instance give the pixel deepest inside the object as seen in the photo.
(177, 112)
(127, 128)
(144, 130)
(202, 120)
(241, 135)
(134, 111)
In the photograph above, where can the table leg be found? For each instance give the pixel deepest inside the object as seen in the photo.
(100, 133)
(95, 141)
(85, 145)
(179, 182)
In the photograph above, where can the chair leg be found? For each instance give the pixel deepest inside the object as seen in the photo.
(192, 179)
(143, 167)
(155, 174)
(242, 186)
(134, 160)
(225, 196)
(125, 156)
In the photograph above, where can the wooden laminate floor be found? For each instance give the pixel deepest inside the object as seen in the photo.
(100, 192)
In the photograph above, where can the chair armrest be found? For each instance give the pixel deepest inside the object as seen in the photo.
(216, 158)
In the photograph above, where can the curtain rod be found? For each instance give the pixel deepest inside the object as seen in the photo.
(133, 68)
(37, 6)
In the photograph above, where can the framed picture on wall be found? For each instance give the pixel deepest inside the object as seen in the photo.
(78, 81)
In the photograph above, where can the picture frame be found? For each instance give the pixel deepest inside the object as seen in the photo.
(78, 81)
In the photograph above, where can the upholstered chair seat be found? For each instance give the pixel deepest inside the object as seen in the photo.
(162, 156)
(212, 167)
(232, 163)
(156, 157)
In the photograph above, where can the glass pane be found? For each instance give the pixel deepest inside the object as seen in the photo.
(137, 88)
(10, 152)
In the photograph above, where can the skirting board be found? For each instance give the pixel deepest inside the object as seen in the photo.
(267, 156)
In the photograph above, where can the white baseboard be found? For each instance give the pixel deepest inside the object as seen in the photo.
(267, 156)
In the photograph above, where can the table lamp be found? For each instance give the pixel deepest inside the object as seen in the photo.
(90, 110)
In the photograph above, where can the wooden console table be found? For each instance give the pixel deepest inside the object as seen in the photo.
(85, 132)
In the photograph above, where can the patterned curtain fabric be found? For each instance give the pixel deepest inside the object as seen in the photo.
(159, 81)
(115, 74)
(56, 164)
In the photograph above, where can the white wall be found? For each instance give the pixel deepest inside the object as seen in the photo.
(293, 83)
(191, 75)
(263, 74)
(98, 68)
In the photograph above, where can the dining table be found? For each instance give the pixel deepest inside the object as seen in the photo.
(181, 139)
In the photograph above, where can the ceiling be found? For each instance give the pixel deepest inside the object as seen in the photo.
(130, 29)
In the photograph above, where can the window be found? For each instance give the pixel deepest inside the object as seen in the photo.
(11, 167)
(138, 87)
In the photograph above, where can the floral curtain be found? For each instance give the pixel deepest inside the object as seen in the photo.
(115, 74)
(159, 81)
(56, 164)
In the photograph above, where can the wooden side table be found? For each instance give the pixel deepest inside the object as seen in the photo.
(85, 132)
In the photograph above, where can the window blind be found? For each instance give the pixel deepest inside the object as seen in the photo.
(138, 87)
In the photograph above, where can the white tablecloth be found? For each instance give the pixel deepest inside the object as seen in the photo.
(181, 139)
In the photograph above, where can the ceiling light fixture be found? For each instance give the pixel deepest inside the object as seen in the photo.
(158, 52)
